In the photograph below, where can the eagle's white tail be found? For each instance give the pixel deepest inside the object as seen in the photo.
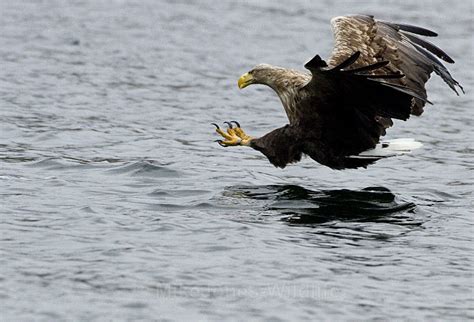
(389, 148)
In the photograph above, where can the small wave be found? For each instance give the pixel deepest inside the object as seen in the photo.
(146, 168)
(177, 193)
(185, 206)
(47, 162)
(66, 162)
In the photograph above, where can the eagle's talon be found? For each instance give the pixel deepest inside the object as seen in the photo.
(217, 126)
(234, 136)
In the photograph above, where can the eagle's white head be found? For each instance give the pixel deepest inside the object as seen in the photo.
(285, 82)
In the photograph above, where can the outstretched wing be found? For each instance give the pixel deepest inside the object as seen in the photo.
(397, 43)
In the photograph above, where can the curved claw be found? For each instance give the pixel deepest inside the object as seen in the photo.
(217, 126)
(229, 124)
(236, 123)
(220, 142)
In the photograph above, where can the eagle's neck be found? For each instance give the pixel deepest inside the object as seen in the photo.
(288, 99)
(287, 83)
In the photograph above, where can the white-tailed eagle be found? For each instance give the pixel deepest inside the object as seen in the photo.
(338, 110)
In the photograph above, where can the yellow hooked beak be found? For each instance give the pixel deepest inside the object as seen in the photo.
(245, 80)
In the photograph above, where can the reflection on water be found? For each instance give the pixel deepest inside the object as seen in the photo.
(299, 205)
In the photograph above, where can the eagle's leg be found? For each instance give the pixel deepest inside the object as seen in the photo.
(234, 135)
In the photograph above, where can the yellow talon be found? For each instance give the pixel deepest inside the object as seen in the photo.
(234, 136)
(224, 134)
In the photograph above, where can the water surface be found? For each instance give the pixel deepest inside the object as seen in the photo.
(116, 204)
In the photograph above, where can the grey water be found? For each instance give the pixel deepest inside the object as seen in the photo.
(116, 204)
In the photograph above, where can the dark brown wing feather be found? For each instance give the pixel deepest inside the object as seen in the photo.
(342, 108)
(396, 43)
